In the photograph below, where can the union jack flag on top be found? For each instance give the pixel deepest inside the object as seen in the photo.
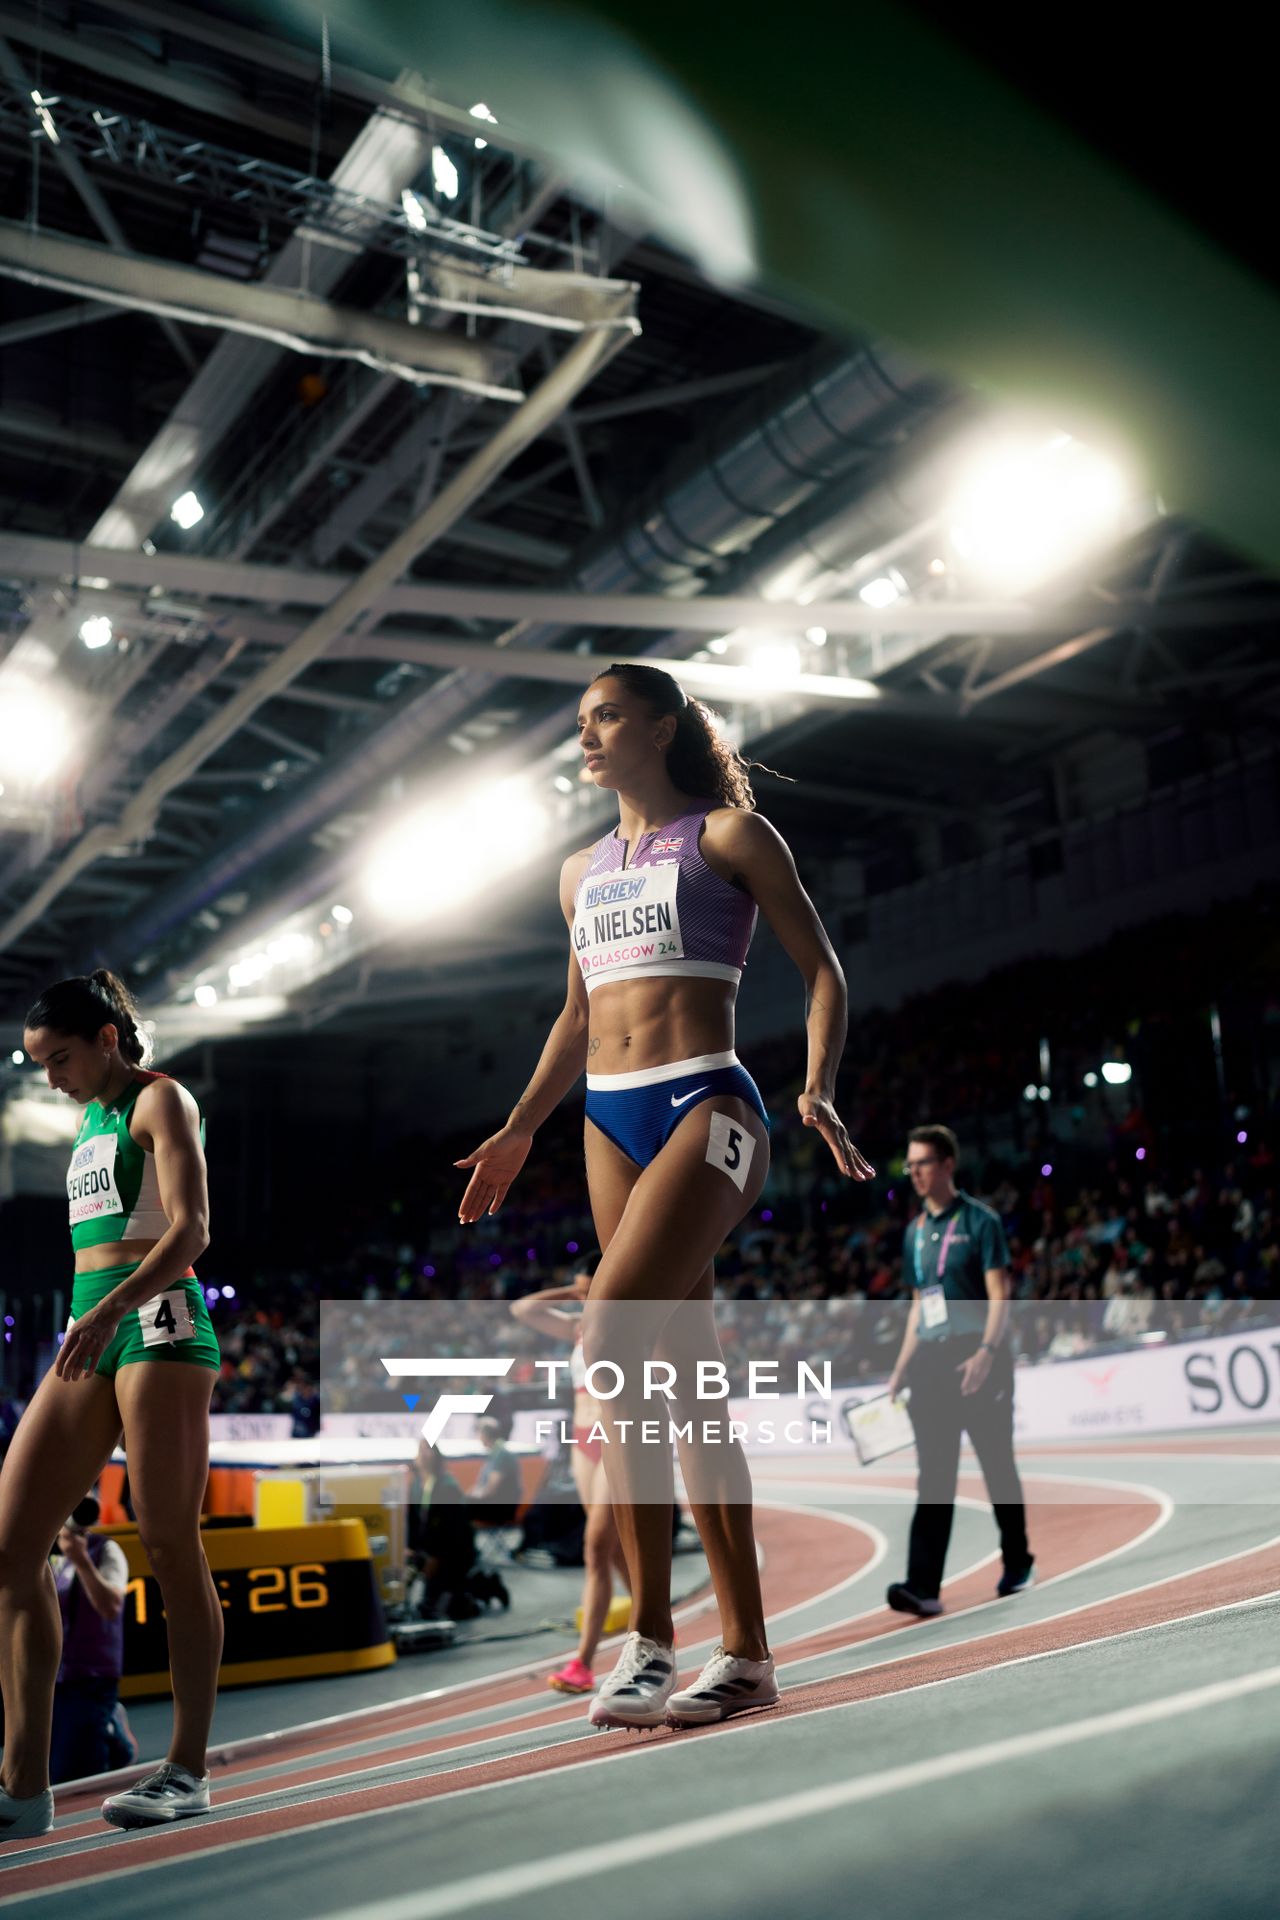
(668, 846)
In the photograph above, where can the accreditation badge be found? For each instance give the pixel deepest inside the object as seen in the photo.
(933, 1308)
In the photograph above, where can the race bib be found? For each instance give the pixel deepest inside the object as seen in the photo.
(166, 1319)
(730, 1147)
(91, 1179)
(627, 919)
(933, 1307)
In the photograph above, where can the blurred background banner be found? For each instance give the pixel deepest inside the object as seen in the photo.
(865, 163)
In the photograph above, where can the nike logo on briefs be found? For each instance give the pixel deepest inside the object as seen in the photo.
(680, 1101)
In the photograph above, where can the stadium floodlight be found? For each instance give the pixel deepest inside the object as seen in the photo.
(35, 732)
(1030, 1092)
(718, 646)
(290, 946)
(414, 210)
(1091, 1079)
(96, 631)
(1117, 1073)
(206, 995)
(1044, 1093)
(42, 103)
(776, 662)
(343, 915)
(880, 592)
(17, 1056)
(444, 174)
(442, 854)
(247, 972)
(1026, 511)
(481, 145)
(186, 511)
(481, 112)
(816, 635)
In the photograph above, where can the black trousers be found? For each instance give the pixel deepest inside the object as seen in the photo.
(940, 1413)
(81, 1743)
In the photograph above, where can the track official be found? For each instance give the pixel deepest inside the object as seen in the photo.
(957, 1362)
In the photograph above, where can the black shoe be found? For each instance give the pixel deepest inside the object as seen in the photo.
(1016, 1579)
(902, 1600)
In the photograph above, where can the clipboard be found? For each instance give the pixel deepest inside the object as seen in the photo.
(878, 1426)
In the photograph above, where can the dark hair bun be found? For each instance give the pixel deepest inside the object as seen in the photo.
(83, 1005)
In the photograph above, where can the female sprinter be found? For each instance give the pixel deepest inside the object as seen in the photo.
(601, 1548)
(139, 1353)
(677, 1141)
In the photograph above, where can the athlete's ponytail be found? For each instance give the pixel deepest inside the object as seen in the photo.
(83, 1005)
(699, 760)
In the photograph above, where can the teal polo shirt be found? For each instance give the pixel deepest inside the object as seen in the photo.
(955, 1250)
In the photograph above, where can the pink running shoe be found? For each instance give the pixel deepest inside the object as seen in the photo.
(573, 1677)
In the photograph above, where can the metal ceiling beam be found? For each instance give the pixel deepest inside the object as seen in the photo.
(81, 313)
(573, 669)
(405, 459)
(585, 358)
(287, 319)
(52, 436)
(99, 211)
(386, 156)
(406, 95)
(36, 558)
(80, 51)
(882, 801)
(1042, 663)
(682, 393)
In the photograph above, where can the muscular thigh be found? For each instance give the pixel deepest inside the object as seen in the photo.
(611, 1175)
(63, 1441)
(680, 1209)
(166, 1432)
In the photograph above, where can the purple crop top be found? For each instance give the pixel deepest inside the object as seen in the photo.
(668, 912)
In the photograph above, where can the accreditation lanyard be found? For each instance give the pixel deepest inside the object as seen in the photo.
(947, 1238)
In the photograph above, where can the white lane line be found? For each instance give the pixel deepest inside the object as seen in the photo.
(263, 1780)
(555, 1711)
(271, 1786)
(556, 1715)
(606, 1858)
(241, 1749)
(343, 1788)
(725, 1825)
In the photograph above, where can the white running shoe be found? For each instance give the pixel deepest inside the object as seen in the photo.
(726, 1685)
(637, 1691)
(20, 1819)
(168, 1794)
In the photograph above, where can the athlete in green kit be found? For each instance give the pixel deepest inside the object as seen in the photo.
(139, 1354)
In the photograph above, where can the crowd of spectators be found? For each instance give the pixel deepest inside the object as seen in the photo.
(1128, 1210)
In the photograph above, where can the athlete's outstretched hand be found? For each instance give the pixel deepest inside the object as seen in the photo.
(496, 1163)
(819, 1113)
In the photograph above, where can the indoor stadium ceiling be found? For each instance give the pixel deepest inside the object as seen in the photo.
(444, 417)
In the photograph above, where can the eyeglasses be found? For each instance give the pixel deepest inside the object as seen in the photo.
(914, 1166)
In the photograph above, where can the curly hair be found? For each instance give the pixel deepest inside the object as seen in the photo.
(84, 1004)
(699, 761)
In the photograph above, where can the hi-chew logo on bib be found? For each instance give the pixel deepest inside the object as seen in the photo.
(626, 919)
(91, 1179)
